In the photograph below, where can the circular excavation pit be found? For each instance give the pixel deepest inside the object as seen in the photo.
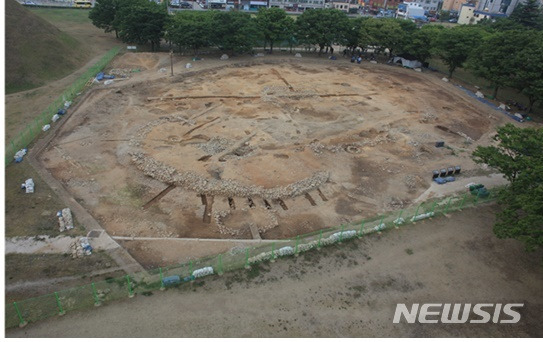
(316, 144)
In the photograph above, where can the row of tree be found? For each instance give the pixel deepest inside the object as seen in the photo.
(507, 52)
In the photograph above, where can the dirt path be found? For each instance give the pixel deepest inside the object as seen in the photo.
(28, 285)
(346, 291)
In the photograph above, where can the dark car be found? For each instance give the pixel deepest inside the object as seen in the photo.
(185, 5)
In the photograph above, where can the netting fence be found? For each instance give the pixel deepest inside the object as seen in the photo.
(95, 294)
(34, 128)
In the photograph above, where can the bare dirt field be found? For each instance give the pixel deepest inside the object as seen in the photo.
(349, 290)
(267, 148)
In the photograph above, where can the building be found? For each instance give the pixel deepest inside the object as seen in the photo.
(410, 10)
(430, 6)
(253, 5)
(386, 4)
(454, 5)
(498, 6)
(470, 15)
(347, 6)
(297, 5)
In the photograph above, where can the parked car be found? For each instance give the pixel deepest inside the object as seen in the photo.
(29, 3)
(185, 5)
(453, 20)
(432, 19)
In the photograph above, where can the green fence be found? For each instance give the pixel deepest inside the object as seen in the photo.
(33, 129)
(94, 294)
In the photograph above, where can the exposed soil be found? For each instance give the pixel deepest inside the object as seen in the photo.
(261, 124)
(350, 290)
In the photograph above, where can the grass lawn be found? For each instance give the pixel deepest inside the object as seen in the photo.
(63, 15)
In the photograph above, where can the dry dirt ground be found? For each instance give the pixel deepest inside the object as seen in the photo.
(268, 148)
(346, 291)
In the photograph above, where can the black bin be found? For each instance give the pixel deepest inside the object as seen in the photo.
(443, 173)
(450, 171)
(435, 174)
(457, 170)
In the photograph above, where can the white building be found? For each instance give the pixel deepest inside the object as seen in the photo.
(427, 5)
(297, 5)
(409, 10)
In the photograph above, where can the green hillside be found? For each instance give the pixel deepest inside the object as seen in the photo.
(37, 51)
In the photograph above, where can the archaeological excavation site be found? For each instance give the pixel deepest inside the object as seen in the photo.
(259, 149)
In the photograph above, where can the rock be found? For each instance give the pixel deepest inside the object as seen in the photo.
(224, 57)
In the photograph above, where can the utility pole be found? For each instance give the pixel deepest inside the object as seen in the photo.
(171, 60)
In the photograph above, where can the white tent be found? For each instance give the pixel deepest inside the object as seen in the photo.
(406, 62)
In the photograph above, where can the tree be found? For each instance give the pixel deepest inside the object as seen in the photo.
(233, 31)
(352, 37)
(493, 58)
(519, 156)
(444, 15)
(454, 45)
(322, 27)
(102, 15)
(387, 33)
(528, 14)
(274, 25)
(419, 44)
(142, 23)
(190, 30)
(528, 61)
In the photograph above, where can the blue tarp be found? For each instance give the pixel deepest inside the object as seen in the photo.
(488, 103)
(100, 76)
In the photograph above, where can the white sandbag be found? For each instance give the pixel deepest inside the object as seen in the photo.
(67, 104)
(298, 55)
(445, 79)
(162, 70)
(259, 55)
(422, 216)
(202, 272)
(224, 57)
(61, 224)
(108, 82)
(188, 66)
(287, 250)
(46, 128)
(29, 186)
(479, 95)
(55, 118)
(67, 215)
(343, 235)
(20, 153)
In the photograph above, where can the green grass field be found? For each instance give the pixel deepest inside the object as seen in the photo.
(65, 15)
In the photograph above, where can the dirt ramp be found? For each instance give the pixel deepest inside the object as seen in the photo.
(140, 60)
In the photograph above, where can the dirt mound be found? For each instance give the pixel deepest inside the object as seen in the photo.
(36, 51)
(142, 61)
